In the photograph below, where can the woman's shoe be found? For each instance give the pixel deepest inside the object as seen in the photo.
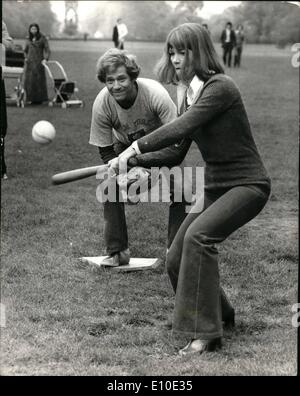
(199, 346)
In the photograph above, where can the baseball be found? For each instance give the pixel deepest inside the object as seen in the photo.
(43, 132)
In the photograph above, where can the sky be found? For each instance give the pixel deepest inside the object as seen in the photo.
(84, 7)
(216, 7)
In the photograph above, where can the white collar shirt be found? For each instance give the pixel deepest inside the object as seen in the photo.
(122, 30)
(181, 95)
(193, 90)
(228, 31)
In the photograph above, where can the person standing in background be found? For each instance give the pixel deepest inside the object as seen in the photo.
(7, 41)
(122, 33)
(228, 42)
(115, 36)
(240, 37)
(36, 51)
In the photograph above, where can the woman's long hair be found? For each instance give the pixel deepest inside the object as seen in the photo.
(38, 34)
(193, 37)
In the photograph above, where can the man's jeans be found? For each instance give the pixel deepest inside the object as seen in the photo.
(237, 56)
(227, 51)
(115, 228)
(192, 261)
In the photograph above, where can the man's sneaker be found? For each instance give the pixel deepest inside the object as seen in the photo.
(110, 261)
(5, 177)
(118, 258)
(124, 257)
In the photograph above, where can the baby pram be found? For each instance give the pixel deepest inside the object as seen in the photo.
(18, 96)
(65, 90)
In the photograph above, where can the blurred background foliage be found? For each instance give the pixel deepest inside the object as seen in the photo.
(268, 22)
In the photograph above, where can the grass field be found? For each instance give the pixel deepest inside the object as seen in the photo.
(65, 318)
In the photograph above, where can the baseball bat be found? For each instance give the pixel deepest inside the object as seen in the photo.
(77, 174)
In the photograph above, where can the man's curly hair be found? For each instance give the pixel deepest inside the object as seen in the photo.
(114, 58)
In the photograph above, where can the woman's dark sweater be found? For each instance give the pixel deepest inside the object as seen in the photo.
(219, 125)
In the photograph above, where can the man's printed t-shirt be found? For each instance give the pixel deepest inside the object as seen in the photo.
(152, 108)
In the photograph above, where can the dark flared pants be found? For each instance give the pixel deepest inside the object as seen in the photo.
(227, 54)
(192, 261)
(238, 56)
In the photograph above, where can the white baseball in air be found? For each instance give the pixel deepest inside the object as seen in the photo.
(43, 132)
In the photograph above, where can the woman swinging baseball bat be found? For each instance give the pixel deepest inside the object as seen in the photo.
(237, 186)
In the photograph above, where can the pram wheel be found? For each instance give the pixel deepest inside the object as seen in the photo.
(14, 73)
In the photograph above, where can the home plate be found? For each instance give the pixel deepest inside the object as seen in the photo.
(135, 264)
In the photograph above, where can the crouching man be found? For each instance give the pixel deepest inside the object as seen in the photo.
(126, 109)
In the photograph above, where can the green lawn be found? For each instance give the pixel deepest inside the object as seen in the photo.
(65, 318)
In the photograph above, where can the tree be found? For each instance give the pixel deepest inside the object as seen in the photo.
(145, 20)
(188, 11)
(264, 21)
(19, 15)
(191, 7)
(217, 22)
(271, 21)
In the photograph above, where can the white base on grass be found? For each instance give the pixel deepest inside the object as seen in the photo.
(135, 264)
